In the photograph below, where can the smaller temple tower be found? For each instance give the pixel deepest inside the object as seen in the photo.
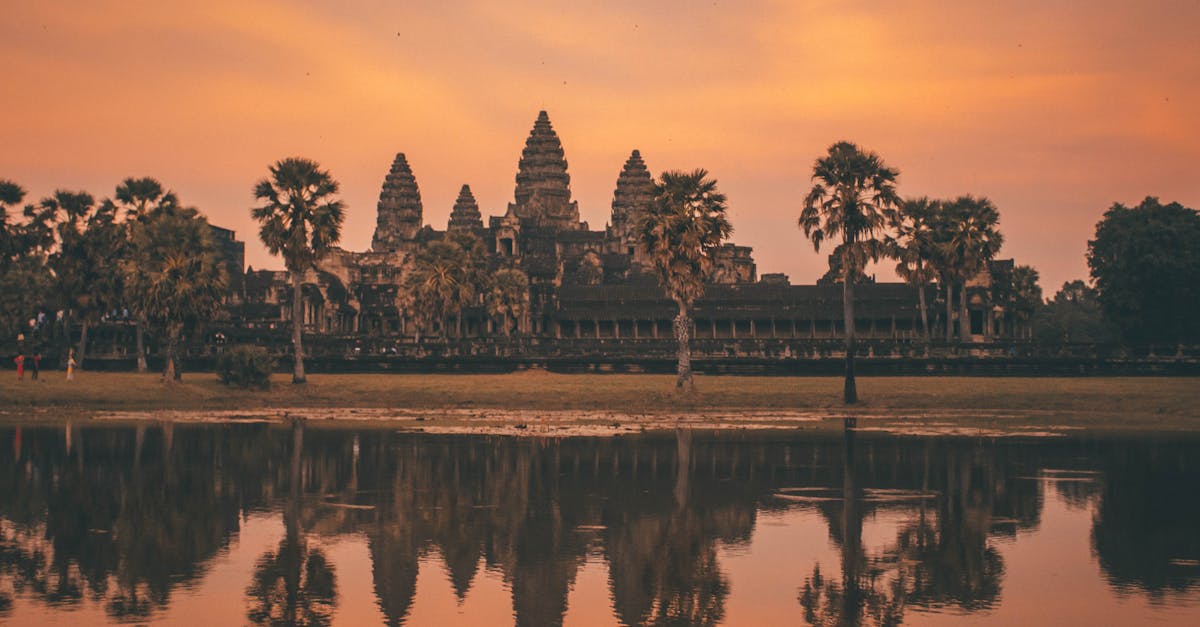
(634, 193)
(465, 215)
(399, 211)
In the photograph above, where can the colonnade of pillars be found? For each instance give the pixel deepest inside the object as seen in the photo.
(734, 329)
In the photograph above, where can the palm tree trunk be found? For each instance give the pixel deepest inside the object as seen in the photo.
(949, 312)
(850, 391)
(964, 321)
(297, 325)
(683, 354)
(924, 312)
(83, 329)
(140, 332)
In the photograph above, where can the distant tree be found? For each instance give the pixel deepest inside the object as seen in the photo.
(681, 229)
(1018, 292)
(970, 239)
(301, 220)
(1073, 315)
(916, 248)
(24, 246)
(508, 299)
(852, 196)
(439, 284)
(1145, 261)
(173, 275)
(86, 260)
(135, 198)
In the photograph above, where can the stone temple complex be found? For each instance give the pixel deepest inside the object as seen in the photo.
(584, 284)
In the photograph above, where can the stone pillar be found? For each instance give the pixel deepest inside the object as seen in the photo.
(616, 329)
(714, 328)
(596, 323)
(753, 330)
(733, 328)
(636, 334)
(654, 330)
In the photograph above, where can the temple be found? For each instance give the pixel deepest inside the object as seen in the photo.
(583, 284)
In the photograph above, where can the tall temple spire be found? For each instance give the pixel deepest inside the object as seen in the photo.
(543, 194)
(635, 191)
(465, 216)
(399, 211)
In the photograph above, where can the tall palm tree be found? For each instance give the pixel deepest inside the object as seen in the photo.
(852, 196)
(173, 275)
(971, 241)
(11, 194)
(681, 230)
(301, 220)
(916, 248)
(136, 197)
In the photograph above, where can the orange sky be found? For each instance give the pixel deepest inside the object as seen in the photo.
(1054, 110)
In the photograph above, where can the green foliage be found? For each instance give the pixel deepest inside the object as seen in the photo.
(1073, 315)
(915, 244)
(90, 244)
(445, 277)
(299, 218)
(968, 236)
(852, 198)
(681, 230)
(508, 298)
(245, 366)
(1145, 262)
(173, 273)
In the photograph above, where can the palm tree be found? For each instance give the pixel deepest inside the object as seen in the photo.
(916, 249)
(173, 275)
(85, 268)
(300, 220)
(971, 241)
(11, 194)
(509, 299)
(440, 284)
(851, 198)
(681, 230)
(136, 196)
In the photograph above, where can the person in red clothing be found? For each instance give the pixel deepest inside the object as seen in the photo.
(20, 361)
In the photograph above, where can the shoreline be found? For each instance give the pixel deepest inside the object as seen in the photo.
(552, 404)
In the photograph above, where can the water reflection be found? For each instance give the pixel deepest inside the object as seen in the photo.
(123, 518)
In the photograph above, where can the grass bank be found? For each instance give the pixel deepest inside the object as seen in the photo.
(1149, 404)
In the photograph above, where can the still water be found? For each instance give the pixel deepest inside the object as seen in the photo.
(255, 523)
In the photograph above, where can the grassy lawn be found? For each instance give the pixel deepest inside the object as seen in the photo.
(1156, 404)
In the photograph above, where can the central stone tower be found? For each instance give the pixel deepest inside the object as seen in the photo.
(543, 194)
(399, 211)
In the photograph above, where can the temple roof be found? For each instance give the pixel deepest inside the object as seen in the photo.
(465, 215)
(399, 210)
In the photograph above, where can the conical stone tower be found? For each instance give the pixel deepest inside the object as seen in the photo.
(465, 216)
(543, 194)
(399, 212)
(634, 193)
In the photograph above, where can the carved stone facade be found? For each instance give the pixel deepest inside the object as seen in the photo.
(583, 283)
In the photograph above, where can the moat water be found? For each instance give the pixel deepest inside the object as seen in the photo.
(263, 523)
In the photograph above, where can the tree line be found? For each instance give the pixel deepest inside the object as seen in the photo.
(143, 251)
(140, 252)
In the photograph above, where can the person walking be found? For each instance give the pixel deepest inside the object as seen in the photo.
(37, 366)
(71, 365)
(20, 361)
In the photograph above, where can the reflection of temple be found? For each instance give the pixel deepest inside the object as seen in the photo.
(128, 515)
(584, 284)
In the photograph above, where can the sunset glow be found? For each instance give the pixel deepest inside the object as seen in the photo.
(1054, 110)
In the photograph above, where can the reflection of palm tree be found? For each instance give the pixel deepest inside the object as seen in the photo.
(294, 585)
